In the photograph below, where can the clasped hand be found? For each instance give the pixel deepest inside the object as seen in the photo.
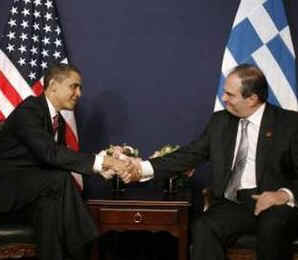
(128, 168)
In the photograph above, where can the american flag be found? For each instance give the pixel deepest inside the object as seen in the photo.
(32, 41)
(261, 36)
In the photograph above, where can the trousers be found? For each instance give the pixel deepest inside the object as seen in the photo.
(64, 228)
(225, 220)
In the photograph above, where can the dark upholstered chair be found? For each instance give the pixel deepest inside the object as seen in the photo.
(16, 237)
(244, 246)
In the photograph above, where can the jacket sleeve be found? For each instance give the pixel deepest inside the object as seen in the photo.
(30, 126)
(185, 158)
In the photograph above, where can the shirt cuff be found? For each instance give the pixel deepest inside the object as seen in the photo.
(147, 171)
(291, 202)
(98, 162)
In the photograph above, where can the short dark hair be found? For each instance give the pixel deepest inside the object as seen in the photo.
(59, 72)
(253, 81)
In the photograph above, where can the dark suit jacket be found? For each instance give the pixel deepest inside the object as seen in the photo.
(276, 158)
(28, 148)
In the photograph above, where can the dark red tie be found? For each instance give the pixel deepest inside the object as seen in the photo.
(55, 123)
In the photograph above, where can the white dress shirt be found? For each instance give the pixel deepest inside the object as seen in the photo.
(248, 178)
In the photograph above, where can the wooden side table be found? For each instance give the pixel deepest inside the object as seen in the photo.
(144, 210)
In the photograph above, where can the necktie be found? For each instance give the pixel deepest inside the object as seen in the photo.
(55, 123)
(240, 161)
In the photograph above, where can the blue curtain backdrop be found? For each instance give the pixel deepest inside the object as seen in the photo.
(151, 68)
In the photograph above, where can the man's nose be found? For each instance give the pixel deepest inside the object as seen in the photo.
(78, 92)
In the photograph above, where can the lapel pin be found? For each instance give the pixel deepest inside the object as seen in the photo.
(268, 134)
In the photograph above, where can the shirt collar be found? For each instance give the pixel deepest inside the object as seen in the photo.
(52, 110)
(256, 117)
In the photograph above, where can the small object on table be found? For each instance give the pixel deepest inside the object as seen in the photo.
(117, 184)
(170, 185)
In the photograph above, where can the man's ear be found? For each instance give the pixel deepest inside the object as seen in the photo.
(254, 99)
(52, 85)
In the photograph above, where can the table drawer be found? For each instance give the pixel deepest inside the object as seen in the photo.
(138, 216)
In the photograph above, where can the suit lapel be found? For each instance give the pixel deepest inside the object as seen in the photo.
(229, 145)
(266, 134)
(47, 119)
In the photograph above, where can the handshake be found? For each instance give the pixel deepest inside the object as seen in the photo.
(122, 161)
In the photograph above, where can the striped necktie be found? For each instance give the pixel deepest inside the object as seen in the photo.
(55, 124)
(240, 161)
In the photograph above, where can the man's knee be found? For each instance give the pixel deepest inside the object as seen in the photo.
(274, 235)
(200, 226)
(270, 229)
(57, 180)
(273, 223)
(197, 224)
(205, 242)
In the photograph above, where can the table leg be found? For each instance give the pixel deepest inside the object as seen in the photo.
(183, 250)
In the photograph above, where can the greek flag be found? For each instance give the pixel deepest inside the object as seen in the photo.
(260, 35)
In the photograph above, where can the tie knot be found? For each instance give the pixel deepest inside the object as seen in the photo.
(244, 123)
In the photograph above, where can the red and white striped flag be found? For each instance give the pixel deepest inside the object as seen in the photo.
(32, 41)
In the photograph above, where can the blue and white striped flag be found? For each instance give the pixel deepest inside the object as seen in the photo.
(261, 36)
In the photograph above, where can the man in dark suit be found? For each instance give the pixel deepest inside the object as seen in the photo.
(255, 177)
(36, 164)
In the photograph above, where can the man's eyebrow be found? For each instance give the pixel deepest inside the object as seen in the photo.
(228, 93)
(74, 85)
